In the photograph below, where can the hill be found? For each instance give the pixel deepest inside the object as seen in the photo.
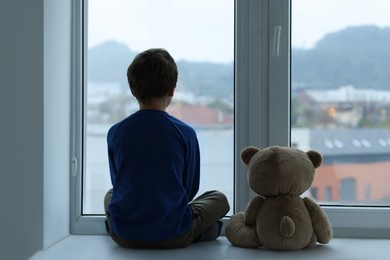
(108, 62)
(359, 56)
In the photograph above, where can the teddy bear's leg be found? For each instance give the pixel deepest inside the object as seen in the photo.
(240, 234)
(313, 241)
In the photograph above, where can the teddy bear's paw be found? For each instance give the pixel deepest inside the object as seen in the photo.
(240, 234)
(326, 233)
(313, 241)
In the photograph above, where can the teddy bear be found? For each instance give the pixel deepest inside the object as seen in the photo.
(279, 218)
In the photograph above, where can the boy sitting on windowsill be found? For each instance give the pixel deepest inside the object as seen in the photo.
(154, 165)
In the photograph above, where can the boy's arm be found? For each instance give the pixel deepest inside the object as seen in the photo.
(111, 156)
(192, 178)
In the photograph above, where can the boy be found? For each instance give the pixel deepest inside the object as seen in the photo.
(154, 165)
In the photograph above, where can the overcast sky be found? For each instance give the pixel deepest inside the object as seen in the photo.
(312, 19)
(202, 30)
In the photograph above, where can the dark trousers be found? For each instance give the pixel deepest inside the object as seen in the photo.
(207, 209)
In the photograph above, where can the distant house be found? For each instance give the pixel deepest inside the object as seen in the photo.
(99, 92)
(356, 182)
(200, 116)
(344, 106)
(356, 165)
(349, 93)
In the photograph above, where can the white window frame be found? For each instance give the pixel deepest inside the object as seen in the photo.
(79, 223)
(262, 111)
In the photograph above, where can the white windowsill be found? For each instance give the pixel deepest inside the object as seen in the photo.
(102, 247)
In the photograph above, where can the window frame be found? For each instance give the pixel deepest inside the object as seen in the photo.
(262, 69)
(261, 55)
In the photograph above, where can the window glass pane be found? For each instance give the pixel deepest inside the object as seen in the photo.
(341, 97)
(199, 34)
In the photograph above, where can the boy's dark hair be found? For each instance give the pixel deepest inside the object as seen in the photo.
(152, 74)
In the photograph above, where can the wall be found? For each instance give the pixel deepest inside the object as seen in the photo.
(21, 139)
(34, 131)
(57, 82)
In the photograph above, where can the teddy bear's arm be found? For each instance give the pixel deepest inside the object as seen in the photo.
(321, 224)
(252, 209)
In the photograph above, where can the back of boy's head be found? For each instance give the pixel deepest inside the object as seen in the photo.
(152, 74)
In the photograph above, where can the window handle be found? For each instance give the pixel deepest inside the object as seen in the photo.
(74, 166)
(277, 35)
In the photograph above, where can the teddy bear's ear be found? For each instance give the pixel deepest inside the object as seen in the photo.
(315, 157)
(247, 153)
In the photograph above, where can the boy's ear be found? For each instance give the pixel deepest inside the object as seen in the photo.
(171, 92)
(133, 92)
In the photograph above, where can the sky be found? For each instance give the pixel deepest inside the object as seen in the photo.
(202, 30)
(312, 19)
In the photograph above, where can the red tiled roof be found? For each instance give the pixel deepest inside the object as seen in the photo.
(199, 115)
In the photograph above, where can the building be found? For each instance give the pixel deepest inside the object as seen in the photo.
(356, 165)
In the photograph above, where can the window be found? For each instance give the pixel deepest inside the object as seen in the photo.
(328, 193)
(348, 189)
(341, 95)
(339, 103)
(115, 31)
(273, 107)
(367, 191)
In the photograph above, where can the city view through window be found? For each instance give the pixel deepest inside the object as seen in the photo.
(340, 89)
(341, 97)
(203, 51)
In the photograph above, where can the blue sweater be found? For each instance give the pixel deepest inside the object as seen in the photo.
(154, 166)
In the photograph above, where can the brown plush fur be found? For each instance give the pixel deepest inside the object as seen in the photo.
(279, 218)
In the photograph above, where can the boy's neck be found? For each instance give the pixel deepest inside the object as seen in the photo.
(156, 104)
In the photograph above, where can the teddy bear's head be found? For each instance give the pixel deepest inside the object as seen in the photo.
(279, 170)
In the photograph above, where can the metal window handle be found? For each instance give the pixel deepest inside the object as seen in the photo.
(277, 35)
(74, 166)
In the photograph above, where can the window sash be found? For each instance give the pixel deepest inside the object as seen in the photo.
(262, 111)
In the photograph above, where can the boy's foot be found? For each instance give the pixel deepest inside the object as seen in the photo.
(211, 233)
(107, 227)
